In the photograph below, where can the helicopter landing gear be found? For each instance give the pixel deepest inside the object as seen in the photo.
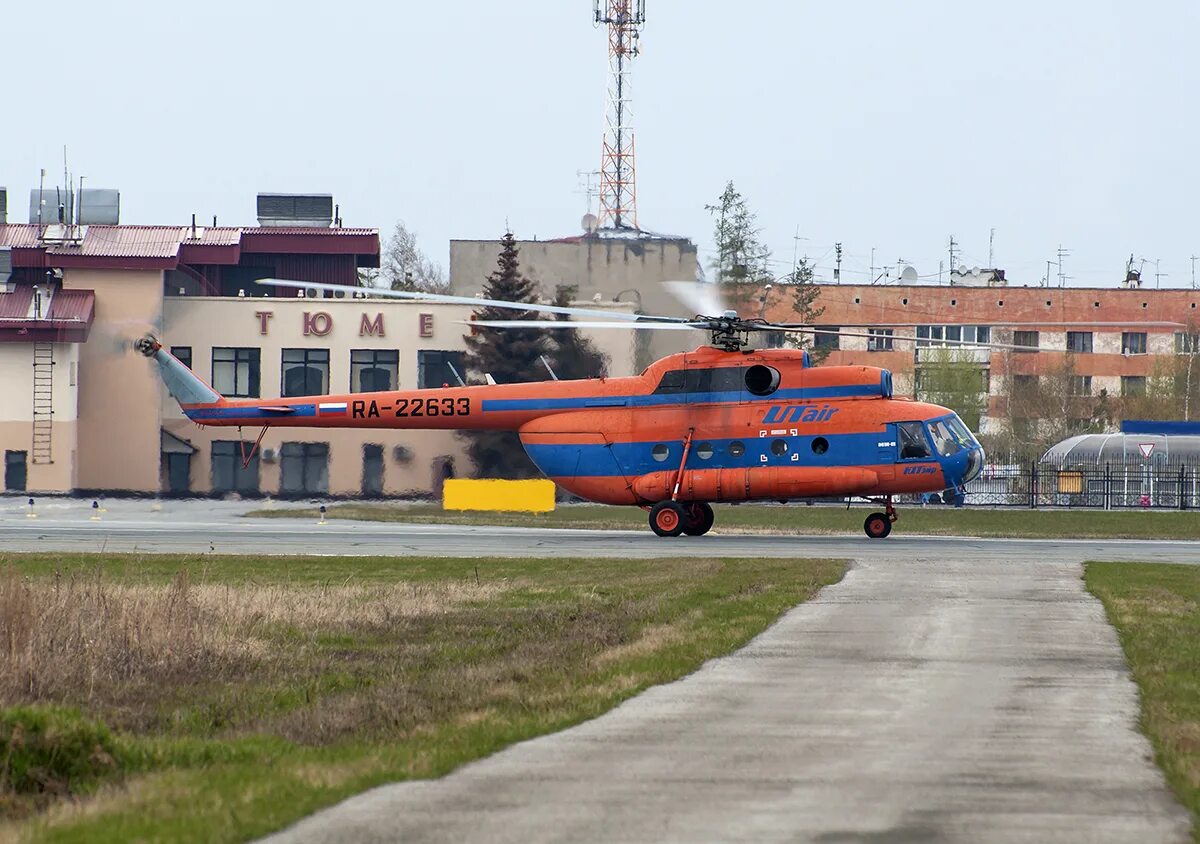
(668, 518)
(699, 518)
(879, 525)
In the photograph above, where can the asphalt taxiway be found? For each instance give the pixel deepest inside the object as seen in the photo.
(947, 689)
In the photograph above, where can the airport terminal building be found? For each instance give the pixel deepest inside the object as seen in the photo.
(81, 412)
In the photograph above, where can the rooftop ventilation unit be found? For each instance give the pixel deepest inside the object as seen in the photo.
(3, 206)
(5, 268)
(311, 210)
(99, 206)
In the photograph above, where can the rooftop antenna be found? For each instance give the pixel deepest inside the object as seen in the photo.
(1158, 276)
(837, 267)
(953, 248)
(588, 187)
(618, 178)
(41, 199)
(1193, 272)
(1062, 272)
(992, 249)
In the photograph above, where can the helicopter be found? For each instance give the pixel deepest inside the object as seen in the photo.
(724, 423)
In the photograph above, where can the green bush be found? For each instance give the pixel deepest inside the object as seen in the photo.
(49, 750)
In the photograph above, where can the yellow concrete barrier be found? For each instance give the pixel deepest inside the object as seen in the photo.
(535, 496)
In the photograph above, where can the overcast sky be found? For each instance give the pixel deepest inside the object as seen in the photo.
(877, 124)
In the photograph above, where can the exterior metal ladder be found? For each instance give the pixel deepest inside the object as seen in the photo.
(43, 402)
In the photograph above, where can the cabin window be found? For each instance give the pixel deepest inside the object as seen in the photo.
(719, 380)
(913, 445)
(779, 447)
(672, 382)
(704, 451)
(737, 448)
(762, 380)
(660, 452)
(820, 445)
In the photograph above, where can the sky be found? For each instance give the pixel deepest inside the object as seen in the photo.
(881, 125)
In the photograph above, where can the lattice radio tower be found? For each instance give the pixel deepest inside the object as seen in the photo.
(618, 177)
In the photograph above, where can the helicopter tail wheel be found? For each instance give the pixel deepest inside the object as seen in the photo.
(667, 518)
(877, 525)
(699, 519)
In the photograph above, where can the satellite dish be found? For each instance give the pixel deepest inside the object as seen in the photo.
(974, 270)
(589, 222)
(908, 274)
(962, 269)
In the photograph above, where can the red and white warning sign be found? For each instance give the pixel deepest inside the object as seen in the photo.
(1147, 449)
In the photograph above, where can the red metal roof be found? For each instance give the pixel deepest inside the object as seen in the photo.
(68, 320)
(159, 247)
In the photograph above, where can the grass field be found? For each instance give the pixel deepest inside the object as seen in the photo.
(220, 698)
(1156, 610)
(801, 520)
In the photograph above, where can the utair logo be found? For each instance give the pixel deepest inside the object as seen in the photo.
(798, 413)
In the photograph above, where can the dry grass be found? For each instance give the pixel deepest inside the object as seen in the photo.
(82, 638)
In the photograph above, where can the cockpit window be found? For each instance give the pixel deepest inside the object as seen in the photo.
(944, 441)
(913, 445)
(672, 382)
(962, 434)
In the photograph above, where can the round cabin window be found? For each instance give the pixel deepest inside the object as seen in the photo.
(660, 452)
(820, 445)
(762, 380)
(704, 451)
(736, 449)
(779, 447)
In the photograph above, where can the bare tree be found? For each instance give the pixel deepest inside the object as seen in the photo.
(403, 266)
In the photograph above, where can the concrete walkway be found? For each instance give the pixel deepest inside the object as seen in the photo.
(976, 698)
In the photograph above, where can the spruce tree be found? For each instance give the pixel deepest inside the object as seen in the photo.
(509, 355)
(573, 355)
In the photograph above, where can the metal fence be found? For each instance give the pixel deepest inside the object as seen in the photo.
(1109, 487)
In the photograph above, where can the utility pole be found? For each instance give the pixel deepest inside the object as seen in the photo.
(837, 267)
(1062, 275)
(618, 179)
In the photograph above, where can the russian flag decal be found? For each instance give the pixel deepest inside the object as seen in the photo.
(331, 409)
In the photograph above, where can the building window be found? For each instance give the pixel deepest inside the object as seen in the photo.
(1081, 385)
(305, 372)
(1133, 343)
(828, 339)
(952, 335)
(235, 372)
(183, 354)
(879, 339)
(1024, 383)
(1133, 385)
(1186, 344)
(304, 468)
(228, 474)
(373, 370)
(437, 369)
(1079, 342)
(372, 479)
(1026, 338)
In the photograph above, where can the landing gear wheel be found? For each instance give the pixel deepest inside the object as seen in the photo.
(877, 525)
(667, 518)
(699, 519)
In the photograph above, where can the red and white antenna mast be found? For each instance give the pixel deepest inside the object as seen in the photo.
(618, 179)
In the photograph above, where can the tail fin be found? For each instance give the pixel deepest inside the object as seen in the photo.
(181, 382)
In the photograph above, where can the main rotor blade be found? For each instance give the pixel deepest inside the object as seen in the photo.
(558, 323)
(468, 300)
(780, 326)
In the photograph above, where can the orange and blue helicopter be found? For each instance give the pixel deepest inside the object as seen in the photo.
(724, 423)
